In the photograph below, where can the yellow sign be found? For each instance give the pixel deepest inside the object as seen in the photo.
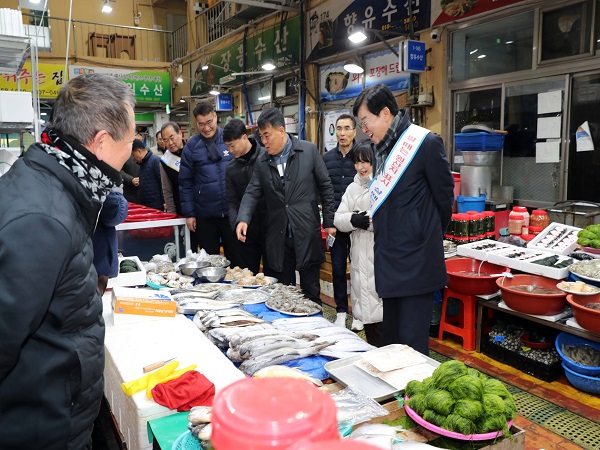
(50, 80)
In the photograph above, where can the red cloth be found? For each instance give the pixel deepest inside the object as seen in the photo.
(189, 390)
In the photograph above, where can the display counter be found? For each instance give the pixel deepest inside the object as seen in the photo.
(132, 346)
(485, 303)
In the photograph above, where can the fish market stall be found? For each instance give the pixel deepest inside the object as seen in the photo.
(132, 346)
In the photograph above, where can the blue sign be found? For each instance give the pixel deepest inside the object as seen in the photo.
(413, 56)
(225, 102)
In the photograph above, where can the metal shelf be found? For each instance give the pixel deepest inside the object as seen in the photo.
(14, 50)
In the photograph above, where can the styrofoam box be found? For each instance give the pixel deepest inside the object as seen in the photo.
(476, 249)
(501, 257)
(16, 107)
(545, 271)
(129, 278)
(554, 226)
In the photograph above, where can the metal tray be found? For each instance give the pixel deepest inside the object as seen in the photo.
(345, 372)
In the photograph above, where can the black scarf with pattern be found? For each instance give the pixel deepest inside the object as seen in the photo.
(383, 149)
(94, 175)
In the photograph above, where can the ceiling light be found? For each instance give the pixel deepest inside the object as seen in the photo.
(358, 35)
(179, 79)
(35, 1)
(204, 66)
(214, 91)
(481, 56)
(182, 100)
(265, 97)
(268, 65)
(510, 42)
(106, 8)
(473, 51)
(353, 65)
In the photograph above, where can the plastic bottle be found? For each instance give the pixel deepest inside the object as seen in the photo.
(539, 218)
(515, 223)
(522, 210)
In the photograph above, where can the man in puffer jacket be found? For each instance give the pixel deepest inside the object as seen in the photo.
(202, 185)
(51, 326)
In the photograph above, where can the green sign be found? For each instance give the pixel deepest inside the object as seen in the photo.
(278, 44)
(147, 86)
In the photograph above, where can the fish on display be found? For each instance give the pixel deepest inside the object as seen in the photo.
(278, 356)
(278, 371)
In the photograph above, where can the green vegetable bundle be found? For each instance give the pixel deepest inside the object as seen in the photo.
(589, 236)
(128, 265)
(462, 399)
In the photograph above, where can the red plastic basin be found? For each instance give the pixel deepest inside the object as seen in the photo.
(586, 317)
(529, 303)
(460, 281)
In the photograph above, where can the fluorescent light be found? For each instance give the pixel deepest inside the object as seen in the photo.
(358, 35)
(214, 91)
(481, 56)
(268, 65)
(265, 97)
(473, 51)
(509, 42)
(35, 1)
(205, 67)
(43, 114)
(179, 79)
(106, 8)
(182, 100)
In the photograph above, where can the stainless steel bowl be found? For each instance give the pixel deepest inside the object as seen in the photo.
(211, 274)
(191, 267)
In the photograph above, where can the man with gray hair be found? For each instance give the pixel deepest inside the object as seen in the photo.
(292, 178)
(51, 326)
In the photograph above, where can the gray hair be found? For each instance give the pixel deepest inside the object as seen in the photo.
(90, 103)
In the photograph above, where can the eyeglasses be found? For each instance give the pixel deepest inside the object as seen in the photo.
(364, 123)
(344, 129)
(206, 124)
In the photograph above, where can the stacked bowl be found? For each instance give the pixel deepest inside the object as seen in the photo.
(575, 350)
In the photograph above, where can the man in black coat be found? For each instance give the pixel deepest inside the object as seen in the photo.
(237, 176)
(341, 171)
(51, 325)
(150, 191)
(293, 179)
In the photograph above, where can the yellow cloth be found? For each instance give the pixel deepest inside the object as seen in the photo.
(131, 387)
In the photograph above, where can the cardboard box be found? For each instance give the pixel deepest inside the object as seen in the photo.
(129, 278)
(142, 302)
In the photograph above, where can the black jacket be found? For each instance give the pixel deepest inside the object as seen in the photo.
(306, 185)
(238, 174)
(341, 171)
(130, 171)
(150, 191)
(409, 226)
(51, 326)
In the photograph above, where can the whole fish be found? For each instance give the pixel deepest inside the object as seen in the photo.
(234, 355)
(206, 304)
(248, 351)
(281, 355)
(285, 372)
(223, 335)
(337, 354)
(333, 331)
(351, 345)
(301, 323)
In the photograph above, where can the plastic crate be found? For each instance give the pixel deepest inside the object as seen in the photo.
(546, 372)
(479, 141)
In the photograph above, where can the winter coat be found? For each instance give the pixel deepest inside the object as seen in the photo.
(51, 326)
(202, 179)
(307, 184)
(105, 242)
(341, 171)
(409, 226)
(128, 173)
(366, 304)
(150, 190)
(239, 173)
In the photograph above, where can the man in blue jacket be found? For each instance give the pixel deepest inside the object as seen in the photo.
(150, 191)
(202, 185)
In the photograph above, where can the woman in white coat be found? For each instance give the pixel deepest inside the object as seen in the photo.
(353, 216)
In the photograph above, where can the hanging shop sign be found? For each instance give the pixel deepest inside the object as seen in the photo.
(330, 23)
(337, 84)
(329, 138)
(280, 44)
(147, 86)
(445, 11)
(50, 77)
(413, 56)
(384, 67)
(224, 102)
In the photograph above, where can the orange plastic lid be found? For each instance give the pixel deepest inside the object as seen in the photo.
(271, 414)
(520, 209)
(539, 212)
